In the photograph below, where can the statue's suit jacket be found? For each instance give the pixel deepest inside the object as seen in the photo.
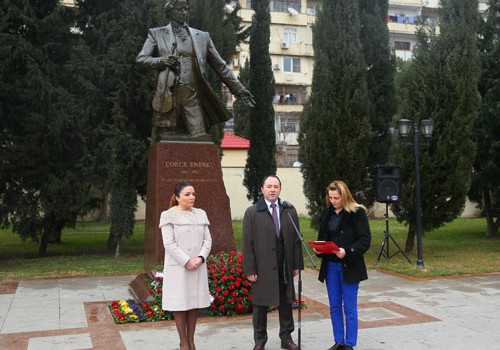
(161, 43)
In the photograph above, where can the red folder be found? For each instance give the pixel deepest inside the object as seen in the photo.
(324, 247)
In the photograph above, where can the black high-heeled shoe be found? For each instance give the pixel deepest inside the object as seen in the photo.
(337, 346)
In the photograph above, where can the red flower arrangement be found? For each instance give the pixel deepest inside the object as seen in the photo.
(127, 311)
(228, 285)
(155, 287)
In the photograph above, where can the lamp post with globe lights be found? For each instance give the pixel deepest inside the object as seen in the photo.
(427, 126)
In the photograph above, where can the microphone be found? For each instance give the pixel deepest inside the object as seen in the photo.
(286, 205)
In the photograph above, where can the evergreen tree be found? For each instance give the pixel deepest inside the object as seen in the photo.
(113, 33)
(486, 179)
(444, 81)
(261, 159)
(127, 155)
(401, 86)
(335, 129)
(43, 187)
(380, 79)
(419, 88)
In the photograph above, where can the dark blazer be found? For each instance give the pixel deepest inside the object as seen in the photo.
(260, 252)
(160, 43)
(355, 238)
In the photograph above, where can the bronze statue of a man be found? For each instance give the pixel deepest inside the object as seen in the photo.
(184, 103)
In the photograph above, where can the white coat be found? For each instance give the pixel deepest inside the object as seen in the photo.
(185, 235)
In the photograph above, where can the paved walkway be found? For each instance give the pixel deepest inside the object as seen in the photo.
(395, 314)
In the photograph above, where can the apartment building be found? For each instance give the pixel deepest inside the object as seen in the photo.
(292, 57)
(292, 53)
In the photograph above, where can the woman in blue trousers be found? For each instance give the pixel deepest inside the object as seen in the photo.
(344, 222)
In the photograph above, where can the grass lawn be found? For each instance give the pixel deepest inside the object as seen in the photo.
(81, 252)
(457, 248)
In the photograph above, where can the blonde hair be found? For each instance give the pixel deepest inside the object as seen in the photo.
(348, 201)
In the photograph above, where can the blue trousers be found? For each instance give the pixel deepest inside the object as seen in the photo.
(343, 298)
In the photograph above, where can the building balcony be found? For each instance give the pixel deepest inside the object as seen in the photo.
(287, 106)
(402, 28)
(68, 3)
(406, 3)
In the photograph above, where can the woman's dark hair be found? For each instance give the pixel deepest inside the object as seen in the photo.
(177, 192)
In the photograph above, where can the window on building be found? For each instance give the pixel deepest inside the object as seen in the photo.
(226, 94)
(312, 10)
(290, 35)
(245, 4)
(283, 5)
(291, 64)
(402, 45)
(431, 20)
(289, 124)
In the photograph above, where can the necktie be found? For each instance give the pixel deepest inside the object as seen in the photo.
(275, 219)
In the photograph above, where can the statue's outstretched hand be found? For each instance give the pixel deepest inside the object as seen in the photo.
(246, 97)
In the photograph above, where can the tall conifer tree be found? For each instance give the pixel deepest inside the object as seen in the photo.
(42, 146)
(113, 33)
(444, 87)
(380, 79)
(335, 129)
(261, 159)
(486, 180)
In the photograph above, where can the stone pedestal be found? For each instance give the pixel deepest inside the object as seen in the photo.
(140, 289)
(198, 163)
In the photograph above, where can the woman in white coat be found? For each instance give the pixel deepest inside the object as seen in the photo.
(187, 242)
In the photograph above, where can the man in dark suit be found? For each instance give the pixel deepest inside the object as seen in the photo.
(272, 256)
(184, 102)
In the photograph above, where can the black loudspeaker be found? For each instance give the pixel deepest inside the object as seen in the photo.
(387, 183)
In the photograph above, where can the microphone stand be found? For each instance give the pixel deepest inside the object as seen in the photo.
(299, 235)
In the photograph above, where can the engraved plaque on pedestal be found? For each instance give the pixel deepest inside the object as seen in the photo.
(198, 163)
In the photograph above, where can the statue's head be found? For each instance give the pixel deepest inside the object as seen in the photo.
(170, 4)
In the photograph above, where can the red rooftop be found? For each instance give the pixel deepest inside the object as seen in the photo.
(231, 141)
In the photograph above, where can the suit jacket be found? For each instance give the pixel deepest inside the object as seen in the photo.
(260, 252)
(160, 43)
(355, 238)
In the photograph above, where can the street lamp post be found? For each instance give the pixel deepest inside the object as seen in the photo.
(427, 126)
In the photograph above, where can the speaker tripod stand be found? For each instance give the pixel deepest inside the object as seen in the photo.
(384, 248)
